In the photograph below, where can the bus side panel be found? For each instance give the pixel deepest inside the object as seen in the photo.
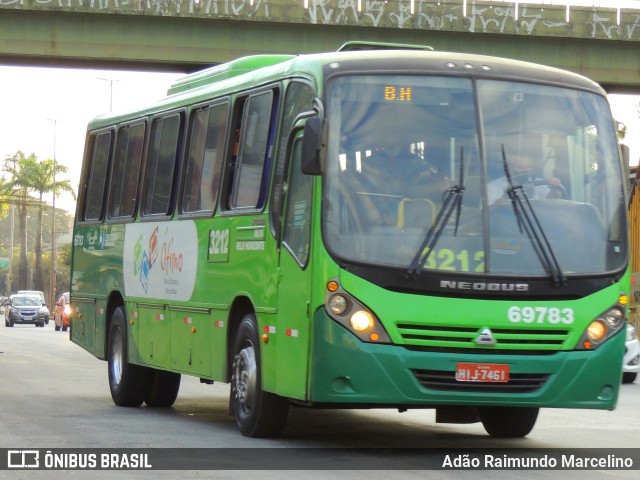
(94, 245)
(240, 263)
(294, 327)
(84, 324)
(154, 334)
(190, 337)
(100, 328)
(218, 343)
(159, 265)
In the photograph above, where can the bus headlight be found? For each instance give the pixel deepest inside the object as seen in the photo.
(602, 328)
(362, 321)
(337, 304)
(597, 331)
(614, 317)
(352, 315)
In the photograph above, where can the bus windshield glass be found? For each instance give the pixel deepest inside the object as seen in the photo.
(485, 176)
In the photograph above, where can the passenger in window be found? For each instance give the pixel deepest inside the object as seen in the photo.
(395, 175)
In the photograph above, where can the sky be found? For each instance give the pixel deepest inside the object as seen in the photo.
(45, 111)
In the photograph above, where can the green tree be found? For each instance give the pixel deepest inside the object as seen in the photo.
(44, 177)
(63, 229)
(5, 197)
(28, 174)
(19, 186)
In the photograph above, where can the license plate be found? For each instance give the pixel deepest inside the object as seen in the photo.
(482, 372)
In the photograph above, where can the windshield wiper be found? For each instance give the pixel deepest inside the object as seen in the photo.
(452, 200)
(528, 223)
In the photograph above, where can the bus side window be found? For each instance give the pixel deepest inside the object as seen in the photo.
(254, 153)
(298, 99)
(126, 170)
(162, 159)
(97, 177)
(297, 224)
(204, 163)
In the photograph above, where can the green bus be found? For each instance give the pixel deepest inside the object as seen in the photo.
(381, 226)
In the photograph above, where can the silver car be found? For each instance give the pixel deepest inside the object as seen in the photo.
(26, 309)
(631, 361)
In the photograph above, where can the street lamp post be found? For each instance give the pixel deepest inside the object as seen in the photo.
(111, 81)
(52, 282)
(10, 275)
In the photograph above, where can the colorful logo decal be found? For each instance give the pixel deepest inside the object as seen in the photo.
(160, 261)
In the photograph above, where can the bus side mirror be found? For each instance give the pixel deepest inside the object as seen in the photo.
(311, 146)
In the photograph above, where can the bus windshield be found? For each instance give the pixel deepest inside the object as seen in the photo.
(487, 176)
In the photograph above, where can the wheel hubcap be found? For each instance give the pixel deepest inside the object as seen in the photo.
(245, 377)
(116, 360)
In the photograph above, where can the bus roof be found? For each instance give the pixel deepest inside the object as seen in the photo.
(251, 71)
(358, 45)
(225, 70)
(250, 63)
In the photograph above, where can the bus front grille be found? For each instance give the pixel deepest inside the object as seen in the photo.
(443, 380)
(463, 338)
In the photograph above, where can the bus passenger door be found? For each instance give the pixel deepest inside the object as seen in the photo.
(294, 323)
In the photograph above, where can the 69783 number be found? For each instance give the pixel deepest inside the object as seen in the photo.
(552, 315)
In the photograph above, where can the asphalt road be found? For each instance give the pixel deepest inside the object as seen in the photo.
(54, 395)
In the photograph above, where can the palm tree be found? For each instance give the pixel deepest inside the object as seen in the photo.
(19, 187)
(43, 177)
(28, 174)
(5, 197)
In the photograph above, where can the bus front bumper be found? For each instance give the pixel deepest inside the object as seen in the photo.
(347, 371)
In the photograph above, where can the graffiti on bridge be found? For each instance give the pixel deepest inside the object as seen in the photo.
(480, 17)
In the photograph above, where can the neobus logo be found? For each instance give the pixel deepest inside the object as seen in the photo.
(485, 286)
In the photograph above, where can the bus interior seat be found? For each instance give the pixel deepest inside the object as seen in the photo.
(416, 213)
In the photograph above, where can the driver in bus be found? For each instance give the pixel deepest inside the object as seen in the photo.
(522, 172)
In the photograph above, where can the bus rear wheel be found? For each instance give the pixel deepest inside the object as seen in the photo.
(129, 383)
(258, 413)
(508, 422)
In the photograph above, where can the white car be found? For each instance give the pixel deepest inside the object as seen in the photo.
(631, 360)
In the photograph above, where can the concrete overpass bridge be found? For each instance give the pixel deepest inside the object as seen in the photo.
(184, 35)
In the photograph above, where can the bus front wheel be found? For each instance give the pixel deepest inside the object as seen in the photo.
(258, 413)
(508, 422)
(129, 383)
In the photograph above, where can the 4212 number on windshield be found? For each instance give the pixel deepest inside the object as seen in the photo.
(461, 261)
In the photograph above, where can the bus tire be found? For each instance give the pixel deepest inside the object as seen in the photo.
(508, 422)
(128, 383)
(163, 388)
(258, 413)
